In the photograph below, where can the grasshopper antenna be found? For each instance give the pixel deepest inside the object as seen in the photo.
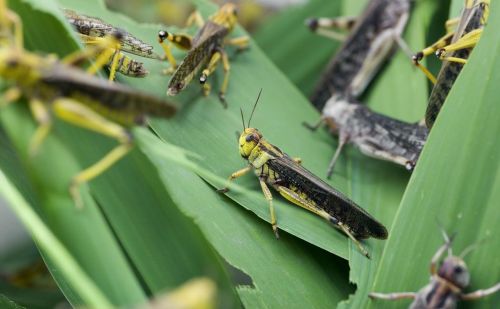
(242, 119)
(254, 106)
(471, 248)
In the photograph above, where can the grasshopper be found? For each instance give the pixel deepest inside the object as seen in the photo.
(92, 30)
(372, 39)
(205, 49)
(286, 175)
(447, 283)
(375, 135)
(455, 47)
(55, 87)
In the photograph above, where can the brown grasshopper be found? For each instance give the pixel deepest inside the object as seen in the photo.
(454, 48)
(298, 185)
(373, 37)
(205, 49)
(374, 134)
(447, 283)
(92, 31)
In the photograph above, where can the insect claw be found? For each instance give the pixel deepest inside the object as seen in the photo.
(222, 99)
(75, 194)
(275, 230)
(223, 190)
(312, 23)
(417, 57)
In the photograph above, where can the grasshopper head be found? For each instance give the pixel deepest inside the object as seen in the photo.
(248, 141)
(455, 271)
(226, 16)
(18, 66)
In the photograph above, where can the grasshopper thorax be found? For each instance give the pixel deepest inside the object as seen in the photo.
(226, 16)
(248, 140)
(454, 271)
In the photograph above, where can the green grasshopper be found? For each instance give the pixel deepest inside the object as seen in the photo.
(55, 87)
(447, 283)
(205, 49)
(454, 48)
(286, 175)
(92, 30)
(373, 37)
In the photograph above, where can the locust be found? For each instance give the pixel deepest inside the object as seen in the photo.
(374, 134)
(454, 48)
(447, 284)
(372, 39)
(92, 30)
(205, 50)
(295, 183)
(56, 88)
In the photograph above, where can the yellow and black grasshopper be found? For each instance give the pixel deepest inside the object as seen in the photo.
(286, 175)
(55, 87)
(205, 49)
(454, 48)
(92, 31)
(373, 37)
(374, 134)
(447, 283)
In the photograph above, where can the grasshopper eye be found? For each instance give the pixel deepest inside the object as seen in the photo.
(12, 63)
(458, 270)
(249, 138)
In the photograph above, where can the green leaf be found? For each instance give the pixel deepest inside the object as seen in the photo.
(455, 183)
(8, 304)
(136, 220)
(54, 249)
(246, 243)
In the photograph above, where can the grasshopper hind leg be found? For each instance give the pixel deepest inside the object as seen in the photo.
(75, 113)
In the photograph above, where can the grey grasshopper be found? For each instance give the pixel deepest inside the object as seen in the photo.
(454, 48)
(205, 50)
(286, 175)
(374, 134)
(447, 285)
(92, 31)
(373, 37)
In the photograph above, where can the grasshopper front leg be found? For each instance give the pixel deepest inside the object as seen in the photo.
(481, 293)
(233, 176)
(393, 296)
(328, 27)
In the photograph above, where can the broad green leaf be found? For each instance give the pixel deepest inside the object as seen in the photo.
(8, 304)
(455, 183)
(54, 249)
(204, 127)
(162, 258)
(284, 273)
(398, 90)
